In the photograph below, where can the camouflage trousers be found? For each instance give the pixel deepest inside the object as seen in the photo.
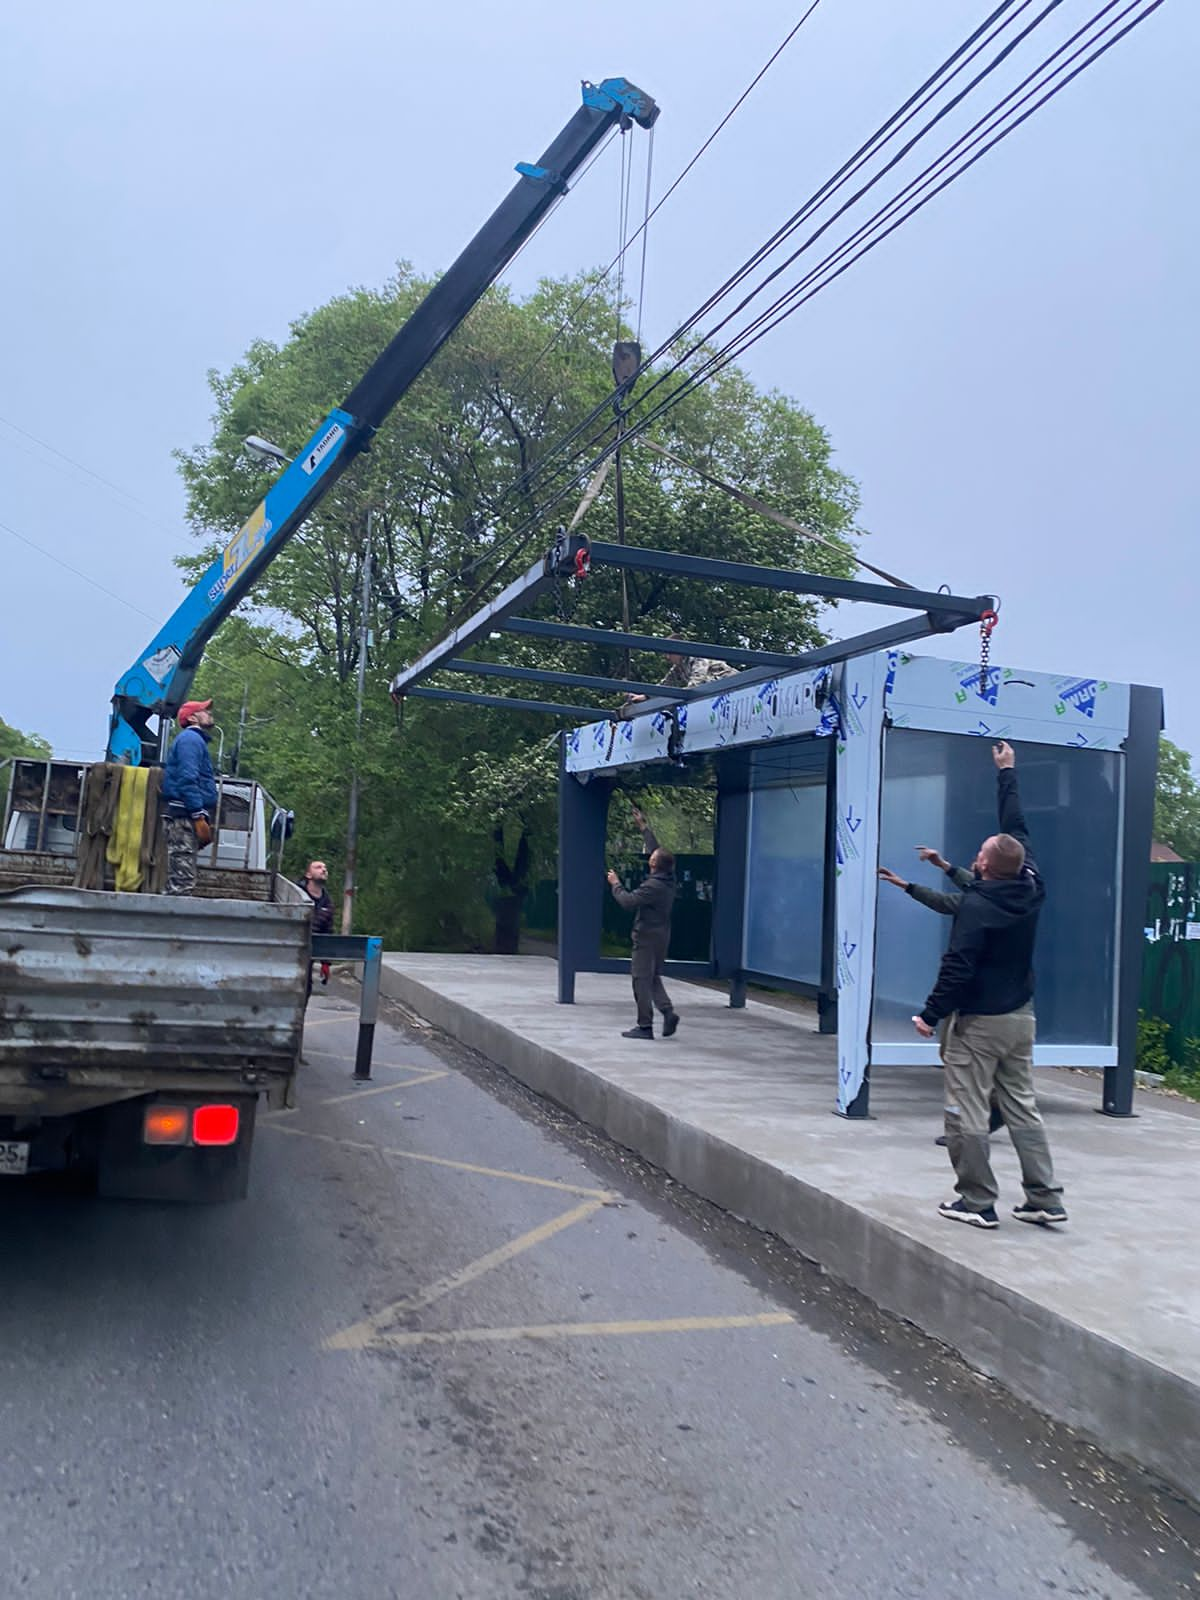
(181, 856)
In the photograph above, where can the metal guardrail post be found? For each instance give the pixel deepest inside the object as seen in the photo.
(369, 1011)
(366, 951)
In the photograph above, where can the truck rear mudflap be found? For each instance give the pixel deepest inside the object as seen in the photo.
(177, 1148)
(189, 1147)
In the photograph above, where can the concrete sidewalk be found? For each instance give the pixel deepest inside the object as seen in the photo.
(1097, 1324)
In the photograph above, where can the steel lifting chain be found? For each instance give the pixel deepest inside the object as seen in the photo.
(987, 622)
(557, 557)
(567, 593)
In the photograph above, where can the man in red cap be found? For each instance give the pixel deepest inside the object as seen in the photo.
(189, 794)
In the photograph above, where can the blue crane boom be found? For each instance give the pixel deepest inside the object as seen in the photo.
(157, 683)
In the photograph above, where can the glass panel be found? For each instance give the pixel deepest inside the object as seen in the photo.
(235, 811)
(940, 789)
(785, 876)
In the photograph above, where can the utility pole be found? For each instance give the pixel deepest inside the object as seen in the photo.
(364, 641)
(237, 749)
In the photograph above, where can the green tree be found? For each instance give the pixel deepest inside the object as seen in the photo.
(458, 803)
(1177, 802)
(15, 743)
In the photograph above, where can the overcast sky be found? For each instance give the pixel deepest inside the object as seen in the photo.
(1012, 377)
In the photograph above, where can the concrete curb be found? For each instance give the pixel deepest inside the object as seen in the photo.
(1128, 1404)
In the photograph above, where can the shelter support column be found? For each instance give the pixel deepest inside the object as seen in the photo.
(859, 689)
(731, 847)
(1141, 776)
(582, 829)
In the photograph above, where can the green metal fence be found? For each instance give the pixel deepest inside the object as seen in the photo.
(1171, 967)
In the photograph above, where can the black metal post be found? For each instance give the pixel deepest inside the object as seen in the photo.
(368, 1011)
(368, 950)
(1141, 774)
(582, 828)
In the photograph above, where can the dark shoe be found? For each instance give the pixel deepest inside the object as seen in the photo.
(1044, 1214)
(942, 1140)
(670, 1023)
(638, 1033)
(959, 1211)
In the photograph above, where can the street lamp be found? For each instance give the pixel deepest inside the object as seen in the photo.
(265, 452)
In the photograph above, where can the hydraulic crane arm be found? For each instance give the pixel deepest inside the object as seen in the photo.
(157, 683)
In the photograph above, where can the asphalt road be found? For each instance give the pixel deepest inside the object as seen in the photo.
(455, 1347)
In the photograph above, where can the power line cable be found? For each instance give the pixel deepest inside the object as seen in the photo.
(44, 444)
(955, 63)
(792, 298)
(95, 583)
(740, 342)
(602, 277)
(66, 565)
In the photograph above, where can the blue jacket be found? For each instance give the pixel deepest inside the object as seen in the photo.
(189, 784)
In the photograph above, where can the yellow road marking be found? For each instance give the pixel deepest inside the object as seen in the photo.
(367, 1332)
(603, 1195)
(568, 1330)
(382, 1088)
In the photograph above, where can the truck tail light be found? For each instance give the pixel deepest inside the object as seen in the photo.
(165, 1125)
(215, 1125)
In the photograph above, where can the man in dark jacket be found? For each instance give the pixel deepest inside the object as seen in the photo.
(189, 793)
(652, 901)
(983, 997)
(946, 904)
(315, 884)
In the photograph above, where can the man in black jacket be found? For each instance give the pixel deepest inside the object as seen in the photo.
(315, 884)
(653, 901)
(983, 999)
(946, 904)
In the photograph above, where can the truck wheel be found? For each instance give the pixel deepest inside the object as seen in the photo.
(131, 1169)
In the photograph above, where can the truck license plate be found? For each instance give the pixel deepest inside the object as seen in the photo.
(14, 1158)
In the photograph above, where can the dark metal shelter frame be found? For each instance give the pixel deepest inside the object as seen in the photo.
(572, 557)
(585, 790)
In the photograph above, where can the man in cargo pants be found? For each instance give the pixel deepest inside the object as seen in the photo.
(947, 904)
(652, 901)
(189, 795)
(984, 998)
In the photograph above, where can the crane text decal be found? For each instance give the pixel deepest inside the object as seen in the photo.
(323, 446)
(242, 548)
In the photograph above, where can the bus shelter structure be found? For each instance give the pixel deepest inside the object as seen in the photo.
(830, 763)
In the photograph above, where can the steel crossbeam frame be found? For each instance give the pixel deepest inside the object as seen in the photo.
(572, 556)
